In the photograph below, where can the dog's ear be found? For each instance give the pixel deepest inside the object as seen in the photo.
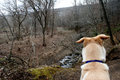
(81, 40)
(103, 36)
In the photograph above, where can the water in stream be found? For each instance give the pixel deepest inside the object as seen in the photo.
(69, 60)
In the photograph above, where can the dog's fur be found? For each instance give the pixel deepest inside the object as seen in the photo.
(94, 50)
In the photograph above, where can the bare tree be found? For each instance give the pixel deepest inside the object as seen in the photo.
(76, 15)
(53, 18)
(35, 24)
(18, 14)
(7, 22)
(107, 22)
(93, 14)
(41, 9)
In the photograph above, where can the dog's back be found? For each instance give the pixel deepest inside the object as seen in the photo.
(95, 71)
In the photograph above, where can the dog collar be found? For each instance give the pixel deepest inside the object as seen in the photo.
(94, 61)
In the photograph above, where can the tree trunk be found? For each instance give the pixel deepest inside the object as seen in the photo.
(52, 32)
(35, 27)
(44, 27)
(19, 32)
(107, 22)
(44, 43)
(11, 49)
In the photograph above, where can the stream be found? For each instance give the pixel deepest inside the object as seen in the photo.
(69, 60)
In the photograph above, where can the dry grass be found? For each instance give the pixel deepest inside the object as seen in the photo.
(51, 54)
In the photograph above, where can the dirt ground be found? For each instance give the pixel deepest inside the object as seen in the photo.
(55, 51)
(31, 50)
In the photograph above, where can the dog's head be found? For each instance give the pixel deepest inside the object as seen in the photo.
(98, 40)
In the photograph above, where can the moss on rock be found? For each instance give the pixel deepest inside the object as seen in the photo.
(44, 73)
(49, 72)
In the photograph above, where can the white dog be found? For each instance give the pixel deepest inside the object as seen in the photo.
(94, 56)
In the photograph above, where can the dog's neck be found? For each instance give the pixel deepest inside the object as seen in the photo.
(93, 51)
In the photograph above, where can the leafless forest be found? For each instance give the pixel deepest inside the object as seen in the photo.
(38, 41)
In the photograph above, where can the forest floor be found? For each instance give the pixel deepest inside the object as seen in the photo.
(43, 62)
(31, 49)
